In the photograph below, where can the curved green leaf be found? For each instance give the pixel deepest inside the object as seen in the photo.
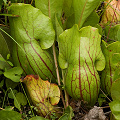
(11, 84)
(50, 8)
(115, 108)
(65, 116)
(33, 31)
(80, 56)
(115, 90)
(116, 74)
(14, 74)
(4, 50)
(21, 98)
(9, 115)
(92, 20)
(68, 114)
(82, 9)
(8, 41)
(31, 25)
(116, 59)
(113, 32)
(68, 7)
(3, 63)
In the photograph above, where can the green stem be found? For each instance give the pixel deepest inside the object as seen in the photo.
(27, 98)
(79, 24)
(15, 98)
(49, 8)
(4, 98)
(105, 95)
(57, 72)
(66, 94)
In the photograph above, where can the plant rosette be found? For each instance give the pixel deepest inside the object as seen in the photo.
(111, 13)
(33, 34)
(80, 57)
(112, 67)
